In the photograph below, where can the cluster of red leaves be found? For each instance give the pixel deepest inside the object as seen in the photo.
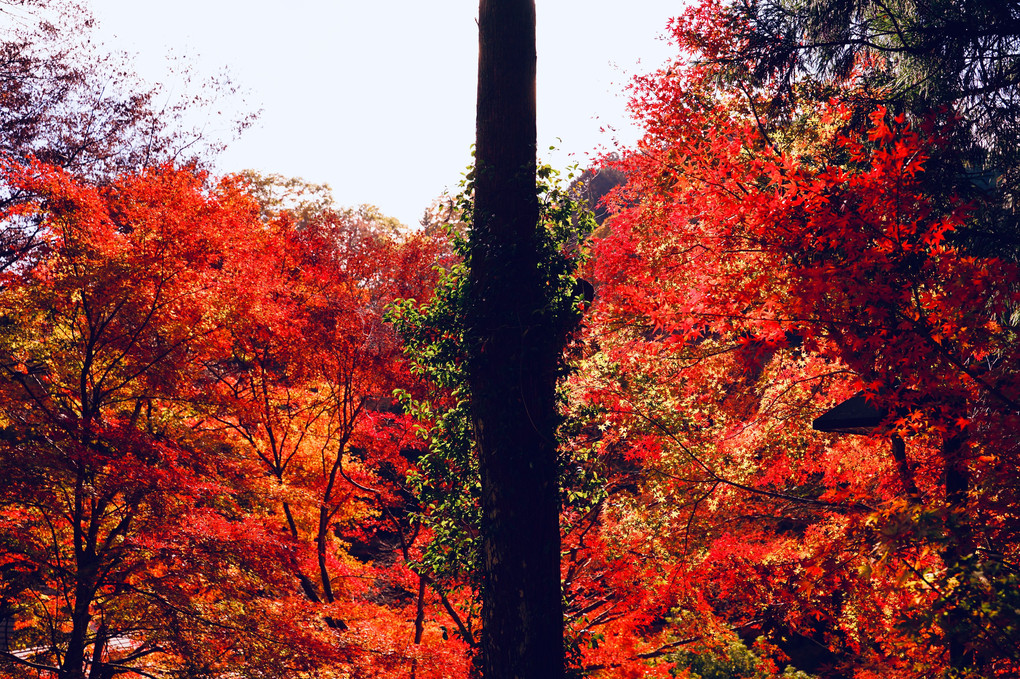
(203, 468)
(745, 286)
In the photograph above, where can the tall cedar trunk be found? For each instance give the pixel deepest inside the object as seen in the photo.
(514, 357)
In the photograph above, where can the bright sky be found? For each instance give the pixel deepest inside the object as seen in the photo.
(376, 97)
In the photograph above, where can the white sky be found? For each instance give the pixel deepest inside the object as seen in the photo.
(376, 97)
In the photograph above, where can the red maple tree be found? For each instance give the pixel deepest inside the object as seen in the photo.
(752, 278)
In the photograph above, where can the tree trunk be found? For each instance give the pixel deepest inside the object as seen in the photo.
(958, 546)
(514, 356)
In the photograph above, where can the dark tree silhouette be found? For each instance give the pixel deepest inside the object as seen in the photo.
(515, 350)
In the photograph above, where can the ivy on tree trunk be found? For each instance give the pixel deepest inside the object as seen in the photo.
(514, 353)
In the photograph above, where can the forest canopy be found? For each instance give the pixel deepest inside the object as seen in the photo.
(236, 427)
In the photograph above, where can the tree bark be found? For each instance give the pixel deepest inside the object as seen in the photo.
(515, 352)
(958, 546)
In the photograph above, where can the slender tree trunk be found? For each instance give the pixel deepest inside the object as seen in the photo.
(899, 450)
(86, 568)
(514, 357)
(73, 665)
(957, 480)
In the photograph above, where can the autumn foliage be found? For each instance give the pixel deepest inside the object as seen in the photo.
(234, 437)
(198, 433)
(755, 275)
